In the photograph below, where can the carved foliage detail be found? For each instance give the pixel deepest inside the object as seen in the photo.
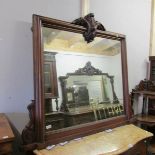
(91, 26)
(88, 69)
(145, 85)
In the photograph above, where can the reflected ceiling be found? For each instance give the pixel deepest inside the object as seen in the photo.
(63, 41)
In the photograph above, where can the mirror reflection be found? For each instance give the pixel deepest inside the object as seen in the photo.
(82, 82)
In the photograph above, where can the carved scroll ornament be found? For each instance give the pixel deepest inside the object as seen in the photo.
(91, 26)
(28, 134)
(88, 69)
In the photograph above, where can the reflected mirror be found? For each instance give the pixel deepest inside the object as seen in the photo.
(82, 81)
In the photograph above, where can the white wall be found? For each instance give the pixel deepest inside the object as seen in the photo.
(130, 17)
(16, 63)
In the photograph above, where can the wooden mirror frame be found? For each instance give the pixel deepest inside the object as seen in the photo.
(34, 135)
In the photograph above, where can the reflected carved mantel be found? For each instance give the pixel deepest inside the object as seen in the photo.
(87, 70)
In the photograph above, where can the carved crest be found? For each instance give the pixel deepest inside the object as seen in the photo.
(88, 69)
(91, 26)
(145, 85)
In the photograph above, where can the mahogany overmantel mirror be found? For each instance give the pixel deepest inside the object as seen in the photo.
(80, 81)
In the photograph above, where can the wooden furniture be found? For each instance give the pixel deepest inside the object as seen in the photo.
(147, 107)
(124, 140)
(152, 68)
(151, 105)
(50, 81)
(145, 118)
(144, 89)
(76, 44)
(6, 136)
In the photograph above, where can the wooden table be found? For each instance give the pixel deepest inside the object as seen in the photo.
(6, 136)
(124, 140)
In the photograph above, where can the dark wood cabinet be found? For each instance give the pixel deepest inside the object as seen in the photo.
(151, 105)
(139, 149)
(147, 89)
(152, 68)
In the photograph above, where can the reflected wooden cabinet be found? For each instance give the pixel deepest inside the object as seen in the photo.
(151, 106)
(78, 118)
(50, 75)
(50, 81)
(54, 121)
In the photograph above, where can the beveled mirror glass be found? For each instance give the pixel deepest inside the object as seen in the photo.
(89, 79)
